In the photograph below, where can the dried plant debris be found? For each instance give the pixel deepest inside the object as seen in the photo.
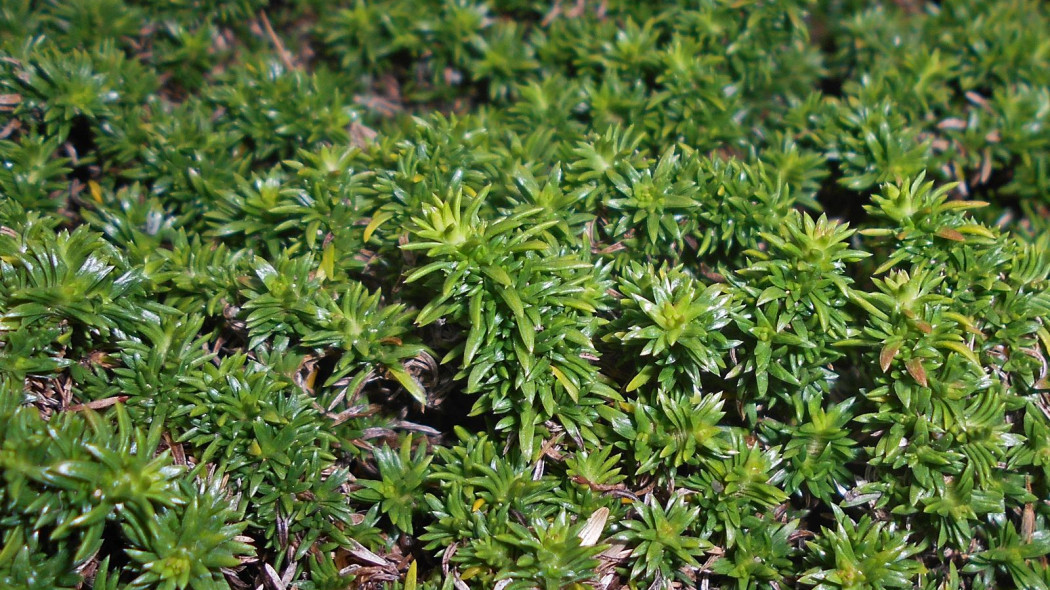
(524, 294)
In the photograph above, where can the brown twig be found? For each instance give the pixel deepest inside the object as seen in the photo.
(551, 14)
(286, 58)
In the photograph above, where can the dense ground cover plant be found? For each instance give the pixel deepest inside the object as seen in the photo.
(524, 294)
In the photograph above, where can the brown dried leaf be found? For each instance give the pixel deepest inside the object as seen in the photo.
(271, 580)
(886, 356)
(951, 234)
(986, 166)
(952, 123)
(978, 100)
(916, 370)
(8, 102)
(363, 554)
(361, 135)
(592, 531)
(98, 404)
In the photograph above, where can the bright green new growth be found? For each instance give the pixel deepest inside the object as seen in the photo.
(524, 294)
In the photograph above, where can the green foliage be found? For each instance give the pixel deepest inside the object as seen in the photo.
(763, 555)
(733, 488)
(524, 294)
(187, 549)
(399, 489)
(861, 554)
(70, 479)
(666, 315)
(660, 539)
(553, 554)
(676, 430)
